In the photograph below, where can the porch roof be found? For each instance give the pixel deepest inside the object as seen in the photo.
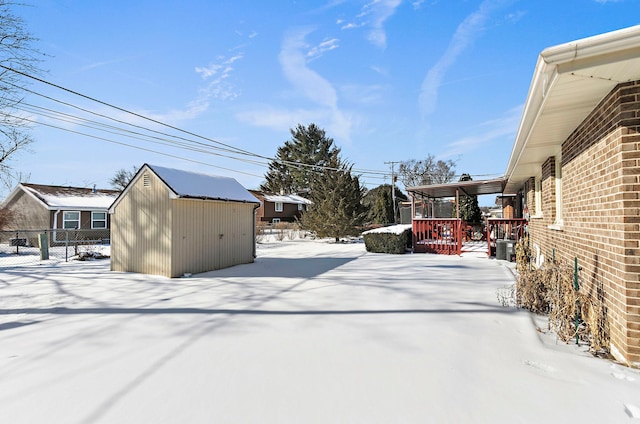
(568, 83)
(469, 188)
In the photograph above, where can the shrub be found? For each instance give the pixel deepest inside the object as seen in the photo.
(573, 314)
(387, 242)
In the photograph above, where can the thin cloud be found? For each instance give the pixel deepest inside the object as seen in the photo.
(308, 84)
(503, 127)
(100, 64)
(365, 95)
(217, 75)
(466, 33)
(275, 118)
(373, 15)
(217, 86)
(214, 69)
(320, 49)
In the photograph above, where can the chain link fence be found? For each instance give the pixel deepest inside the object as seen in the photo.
(28, 247)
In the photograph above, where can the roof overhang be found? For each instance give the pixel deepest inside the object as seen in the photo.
(468, 188)
(568, 83)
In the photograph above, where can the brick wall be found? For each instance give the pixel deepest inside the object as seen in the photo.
(601, 211)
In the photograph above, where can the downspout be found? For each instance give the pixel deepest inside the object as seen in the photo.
(55, 224)
(255, 217)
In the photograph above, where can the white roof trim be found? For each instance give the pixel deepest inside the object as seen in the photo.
(568, 82)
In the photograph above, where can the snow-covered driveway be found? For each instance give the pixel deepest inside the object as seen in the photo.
(312, 332)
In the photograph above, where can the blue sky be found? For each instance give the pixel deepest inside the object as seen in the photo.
(389, 80)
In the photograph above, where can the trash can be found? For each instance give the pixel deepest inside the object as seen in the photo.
(501, 249)
(510, 250)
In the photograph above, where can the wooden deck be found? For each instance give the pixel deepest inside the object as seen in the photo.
(437, 235)
(451, 236)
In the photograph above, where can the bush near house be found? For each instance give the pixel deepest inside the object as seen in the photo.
(387, 242)
(573, 312)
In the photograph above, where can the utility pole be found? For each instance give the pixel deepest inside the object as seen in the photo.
(393, 190)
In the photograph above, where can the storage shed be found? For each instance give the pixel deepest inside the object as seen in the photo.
(171, 222)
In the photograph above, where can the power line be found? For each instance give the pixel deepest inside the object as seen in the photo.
(133, 146)
(231, 148)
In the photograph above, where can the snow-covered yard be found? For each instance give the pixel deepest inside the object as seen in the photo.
(312, 332)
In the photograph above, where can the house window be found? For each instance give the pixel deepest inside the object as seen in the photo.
(71, 220)
(538, 197)
(300, 207)
(98, 220)
(278, 206)
(275, 221)
(558, 181)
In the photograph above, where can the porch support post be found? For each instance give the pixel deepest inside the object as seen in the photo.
(413, 221)
(457, 204)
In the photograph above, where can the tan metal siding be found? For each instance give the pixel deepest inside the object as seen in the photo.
(209, 235)
(141, 229)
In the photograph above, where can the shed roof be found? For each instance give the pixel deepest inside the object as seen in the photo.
(68, 198)
(194, 185)
(568, 83)
(188, 184)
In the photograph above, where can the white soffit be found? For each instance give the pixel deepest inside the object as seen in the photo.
(568, 83)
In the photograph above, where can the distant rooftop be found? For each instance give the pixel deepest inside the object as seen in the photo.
(60, 197)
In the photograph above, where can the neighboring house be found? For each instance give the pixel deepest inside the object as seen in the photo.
(46, 207)
(171, 222)
(575, 167)
(276, 208)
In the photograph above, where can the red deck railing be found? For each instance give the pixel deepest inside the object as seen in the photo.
(437, 235)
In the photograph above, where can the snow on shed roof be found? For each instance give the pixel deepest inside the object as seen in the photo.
(58, 197)
(204, 186)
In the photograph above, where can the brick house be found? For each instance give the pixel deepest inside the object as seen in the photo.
(275, 208)
(575, 168)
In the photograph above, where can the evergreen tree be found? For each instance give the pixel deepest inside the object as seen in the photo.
(468, 205)
(299, 160)
(378, 202)
(337, 209)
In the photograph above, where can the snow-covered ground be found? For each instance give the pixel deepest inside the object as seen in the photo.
(312, 332)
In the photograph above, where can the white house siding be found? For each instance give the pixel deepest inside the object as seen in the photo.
(141, 229)
(210, 235)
